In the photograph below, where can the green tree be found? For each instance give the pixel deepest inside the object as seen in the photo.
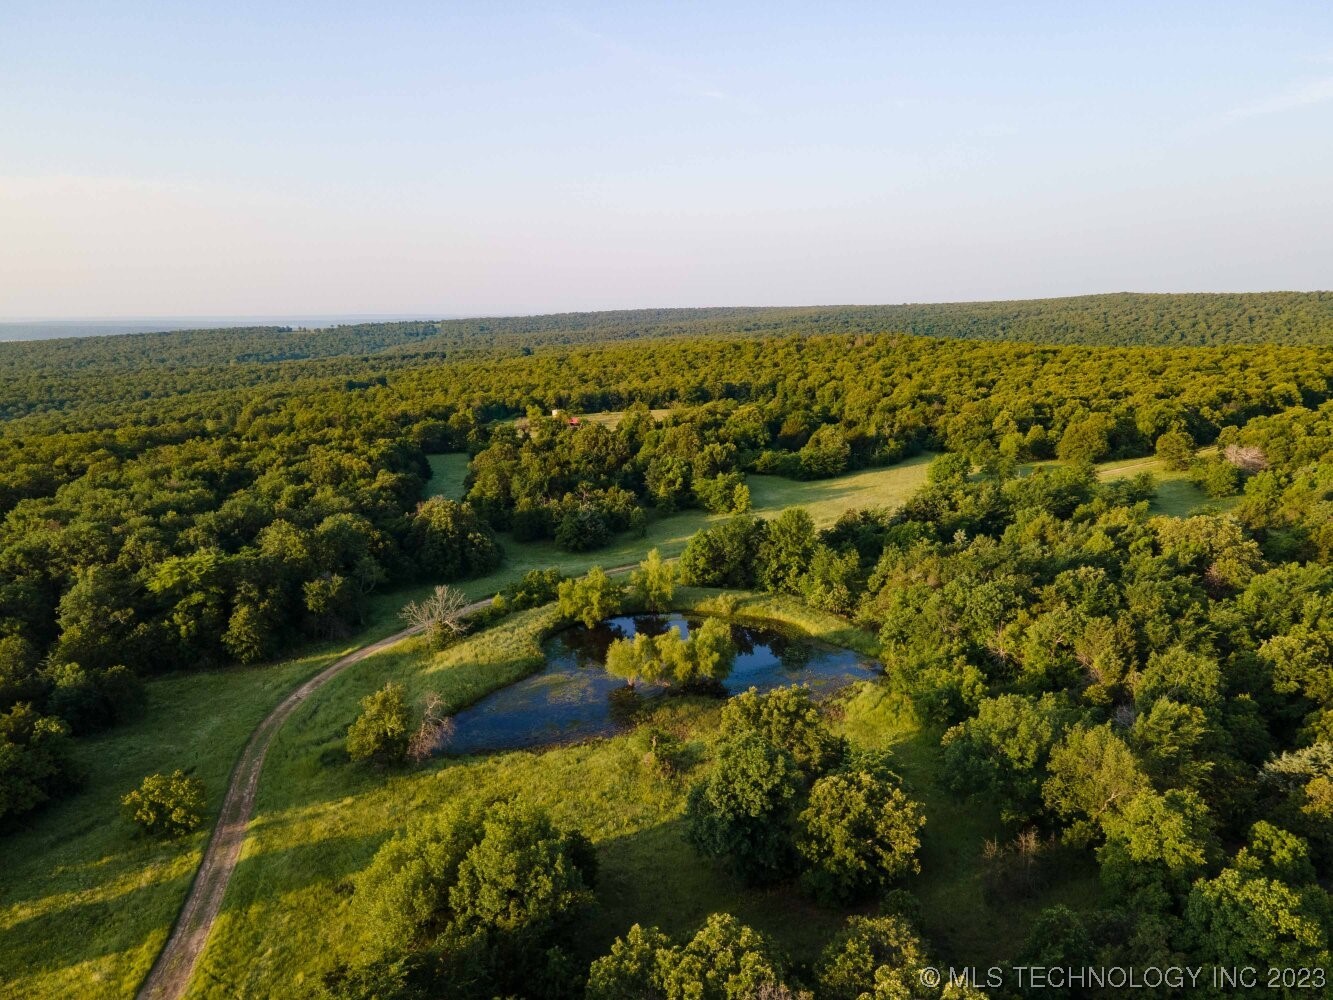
(1086, 439)
(872, 957)
(1004, 748)
(34, 760)
(524, 875)
(858, 832)
(1176, 449)
(725, 960)
(1093, 776)
(784, 556)
(654, 583)
(591, 598)
(726, 555)
(742, 811)
(1240, 920)
(789, 719)
(825, 454)
(403, 895)
(166, 804)
(711, 652)
(383, 729)
(634, 660)
(449, 541)
(633, 968)
(1156, 847)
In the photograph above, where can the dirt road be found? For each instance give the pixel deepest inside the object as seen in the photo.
(175, 964)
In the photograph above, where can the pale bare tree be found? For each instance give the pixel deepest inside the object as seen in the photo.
(435, 728)
(441, 615)
(1246, 458)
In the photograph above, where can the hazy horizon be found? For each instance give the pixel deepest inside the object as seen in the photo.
(478, 161)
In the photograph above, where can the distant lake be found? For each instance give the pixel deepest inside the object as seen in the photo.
(573, 698)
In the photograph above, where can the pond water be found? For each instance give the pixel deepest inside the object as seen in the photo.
(573, 698)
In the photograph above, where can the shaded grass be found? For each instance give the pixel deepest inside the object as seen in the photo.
(957, 917)
(447, 473)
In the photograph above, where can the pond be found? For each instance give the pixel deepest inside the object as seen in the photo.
(572, 697)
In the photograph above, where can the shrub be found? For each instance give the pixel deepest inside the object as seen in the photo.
(382, 730)
(166, 804)
(34, 760)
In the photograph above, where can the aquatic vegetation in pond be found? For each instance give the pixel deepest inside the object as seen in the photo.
(573, 697)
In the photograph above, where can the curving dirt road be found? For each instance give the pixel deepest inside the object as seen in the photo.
(171, 973)
(175, 964)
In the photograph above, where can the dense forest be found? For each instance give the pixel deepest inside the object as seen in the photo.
(145, 534)
(56, 374)
(1154, 691)
(1148, 692)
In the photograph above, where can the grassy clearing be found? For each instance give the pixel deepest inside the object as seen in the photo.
(447, 473)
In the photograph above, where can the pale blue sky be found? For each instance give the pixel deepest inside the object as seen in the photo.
(404, 157)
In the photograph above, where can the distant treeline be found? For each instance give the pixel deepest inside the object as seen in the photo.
(57, 374)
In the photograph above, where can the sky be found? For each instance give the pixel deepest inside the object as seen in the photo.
(278, 158)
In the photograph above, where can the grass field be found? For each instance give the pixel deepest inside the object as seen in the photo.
(84, 905)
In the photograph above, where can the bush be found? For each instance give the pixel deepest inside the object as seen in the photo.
(166, 805)
(591, 598)
(383, 729)
(34, 760)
